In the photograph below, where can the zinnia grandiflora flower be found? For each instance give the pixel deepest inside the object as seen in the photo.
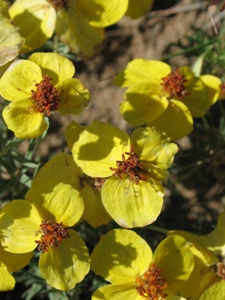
(209, 255)
(128, 168)
(159, 97)
(25, 225)
(37, 87)
(126, 261)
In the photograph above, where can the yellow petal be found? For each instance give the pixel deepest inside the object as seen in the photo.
(143, 103)
(19, 80)
(99, 215)
(98, 149)
(15, 261)
(198, 101)
(72, 133)
(137, 9)
(117, 292)
(216, 291)
(176, 121)
(88, 196)
(56, 194)
(121, 256)
(36, 20)
(4, 7)
(64, 266)
(7, 281)
(155, 151)
(102, 13)
(175, 260)
(214, 241)
(74, 30)
(130, 204)
(23, 121)
(139, 70)
(203, 274)
(56, 66)
(213, 83)
(74, 97)
(10, 40)
(19, 221)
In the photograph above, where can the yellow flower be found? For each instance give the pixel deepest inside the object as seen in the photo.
(125, 260)
(45, 223)
(129, 169)
(37, 87)
(209, 254)
(78, 23)
(158, 97)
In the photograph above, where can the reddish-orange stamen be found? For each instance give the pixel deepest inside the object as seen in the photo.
(46, 96)
(52, 234)
(173, 85)
(130, 166)
(150, 285)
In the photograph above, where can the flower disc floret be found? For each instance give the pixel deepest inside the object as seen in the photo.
(46, 96)
(130, 166)
(173, 85)
(150, 285)
(52, 234)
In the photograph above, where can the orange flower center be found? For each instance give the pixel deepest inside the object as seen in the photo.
(57, 4)
(173, 85)
(46, 96)
(52, 234)
(130, 166)
(150, 285)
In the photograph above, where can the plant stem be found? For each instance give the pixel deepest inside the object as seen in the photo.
(158, 229)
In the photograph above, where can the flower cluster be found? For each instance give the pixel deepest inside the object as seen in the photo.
(106, 178)
(79, 24)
